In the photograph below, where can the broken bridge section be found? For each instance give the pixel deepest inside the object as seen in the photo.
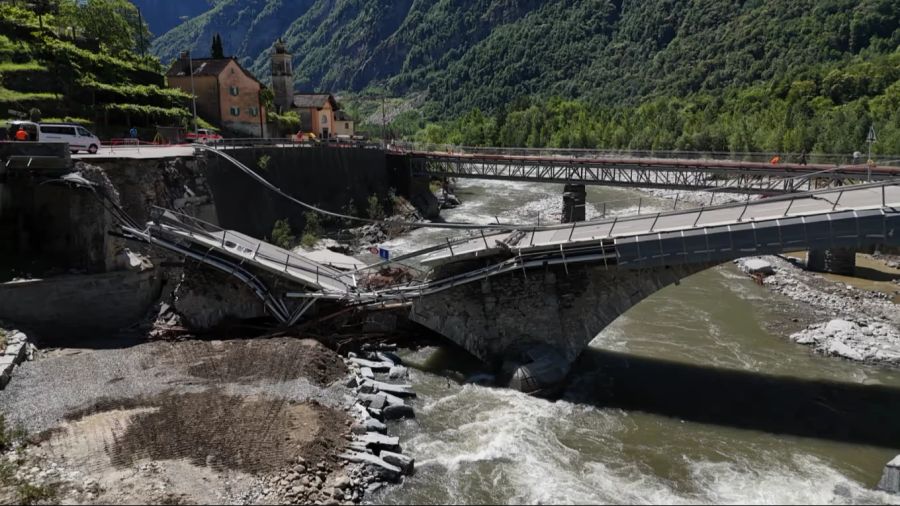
(245, 249)
(238, 255)
(560, 286)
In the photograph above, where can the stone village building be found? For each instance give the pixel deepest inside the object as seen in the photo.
(228, 96)
(318, 112)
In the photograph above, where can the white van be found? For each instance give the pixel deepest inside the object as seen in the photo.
(78, 137)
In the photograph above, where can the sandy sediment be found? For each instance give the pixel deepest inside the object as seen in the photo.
(187, 422)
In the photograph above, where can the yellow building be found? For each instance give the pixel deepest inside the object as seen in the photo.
(343, 124)
(316, 113)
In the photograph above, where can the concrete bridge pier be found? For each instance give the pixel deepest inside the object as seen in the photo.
(832, 260)
(574, 198)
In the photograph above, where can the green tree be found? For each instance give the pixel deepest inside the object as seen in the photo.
(217, 51)
(44, 7)
(282, 235)
(373, 208)
(267, 98)
(114, 24)
(312, 230)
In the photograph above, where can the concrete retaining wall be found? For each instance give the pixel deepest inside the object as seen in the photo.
(324, 176)
(51, 228)
(80, 304)
(327, 177)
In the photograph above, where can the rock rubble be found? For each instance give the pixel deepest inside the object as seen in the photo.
(862, 340)
(375, 455)
(17, 349)
(854, 324)
(372, 457)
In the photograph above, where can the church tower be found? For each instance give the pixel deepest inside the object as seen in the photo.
(282, 77)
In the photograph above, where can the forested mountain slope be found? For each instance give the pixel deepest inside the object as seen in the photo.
(163, 15)
(488, 52)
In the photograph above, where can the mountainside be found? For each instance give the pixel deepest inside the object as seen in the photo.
(487, 53)
(163, 15)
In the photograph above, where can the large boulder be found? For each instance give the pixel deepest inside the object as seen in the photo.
(206, 298)
(398, 412)
(890, 478)
(757, 266)
(405, 463)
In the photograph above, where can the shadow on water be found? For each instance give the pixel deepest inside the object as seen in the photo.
(873, 274)
(847, 412)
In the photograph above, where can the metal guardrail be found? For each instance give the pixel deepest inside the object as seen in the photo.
(289, 142)
(599, 154)
(230, 241)
(606, 228)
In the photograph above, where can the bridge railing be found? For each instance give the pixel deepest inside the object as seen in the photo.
(760, 157)
(290, 142)
(616, 218)
(228, 240)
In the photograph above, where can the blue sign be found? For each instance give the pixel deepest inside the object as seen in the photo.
(383, 253)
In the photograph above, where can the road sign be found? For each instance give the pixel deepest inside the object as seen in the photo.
(871, 137)
(383, 253)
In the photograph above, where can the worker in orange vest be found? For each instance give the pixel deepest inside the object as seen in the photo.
(21, 135)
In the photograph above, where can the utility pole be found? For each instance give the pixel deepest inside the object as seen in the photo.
(870, 139)
(383, 122)
(193, 95)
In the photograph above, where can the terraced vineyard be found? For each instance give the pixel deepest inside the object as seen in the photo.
(62, 78)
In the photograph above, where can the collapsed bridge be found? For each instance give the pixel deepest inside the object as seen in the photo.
(531, 292)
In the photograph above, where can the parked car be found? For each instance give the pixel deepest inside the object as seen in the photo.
(302, 136)
(78, 137)
(204, 136)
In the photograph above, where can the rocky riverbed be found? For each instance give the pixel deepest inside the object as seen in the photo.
(847, 321)
(267, 421)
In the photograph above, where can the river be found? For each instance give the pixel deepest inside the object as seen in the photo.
(687, 398)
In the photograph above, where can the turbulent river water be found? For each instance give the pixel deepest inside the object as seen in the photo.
(686, 398)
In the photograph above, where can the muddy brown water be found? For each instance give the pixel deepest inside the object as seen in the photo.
(694, 396)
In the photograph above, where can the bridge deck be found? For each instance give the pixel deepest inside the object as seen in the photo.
(247, 249)
(646, 172)
(854, 198)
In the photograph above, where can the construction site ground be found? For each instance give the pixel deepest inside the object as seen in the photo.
(176, 422)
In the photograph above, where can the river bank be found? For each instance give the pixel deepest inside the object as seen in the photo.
(845, 319)
(237, 422)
